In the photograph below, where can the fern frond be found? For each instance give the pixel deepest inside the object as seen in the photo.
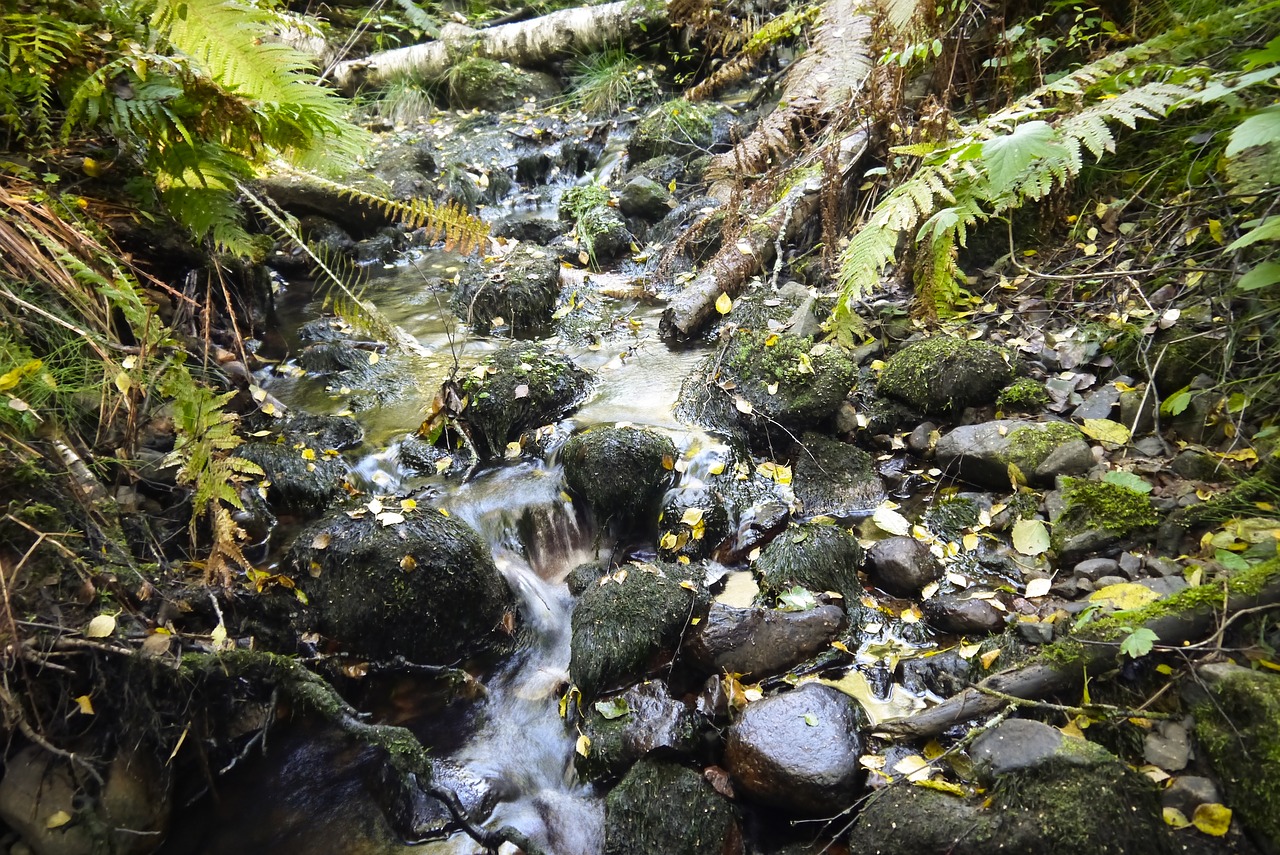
(35, 45)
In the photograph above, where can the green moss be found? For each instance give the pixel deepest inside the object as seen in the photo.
(577, 201)
(483, 83)
(663, 807)
(1029, 446)
(1239, 732)
(944, 374)
(621, 471)
(675, 127)
(951, 516)
(811, 379)
(1093, 505)
(1024, 395)
(817, 557)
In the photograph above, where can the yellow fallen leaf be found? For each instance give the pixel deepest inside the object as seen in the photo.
(1105, 430)
(1175, 818)
(941, 786)
(86, 706)
(57, 819)
(583, 745)
(724, 304)
(1038, 587)
(989, 657)
(1124, 596)
(1213, 819)
(692, 516)
(100, 627)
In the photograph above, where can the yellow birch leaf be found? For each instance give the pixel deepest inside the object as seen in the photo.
(1105, 430)
(989, 657)
(583, 745)
(57, 819)
(1175, 818)
(724, 304)
(86, 706)
(1213, 819)
(100, 627)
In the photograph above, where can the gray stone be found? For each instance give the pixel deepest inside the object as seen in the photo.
(982, 453)
(922, 438)
(1165, 586)
(1104, 581)
(1168, 746)
(1095, 568)
(622, 472)
(963, 615)
(797, 750)
(901, 566)
(1198, 466)
(1020, 744)
(1187, 792)
(834, 478)
(1035, 632)
(521, 289)
(1164, 566)
(646, 199)
(1139, 407)
(1098, 404)
(651, 722)
(1130, 564)
(758, 642)
(1150, 446)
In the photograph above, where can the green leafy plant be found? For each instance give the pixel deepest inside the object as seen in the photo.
(1138, 643)
(602, 82)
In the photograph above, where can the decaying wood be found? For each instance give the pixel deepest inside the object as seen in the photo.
(1040, 678)
(526, 43)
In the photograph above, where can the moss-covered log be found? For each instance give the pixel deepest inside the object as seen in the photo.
(1185, 616)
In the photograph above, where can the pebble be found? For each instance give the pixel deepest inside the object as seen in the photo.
(1095, 568)
(1130, 564)
(1168, 746)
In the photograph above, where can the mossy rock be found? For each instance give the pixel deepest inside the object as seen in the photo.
(808, 382)
(622, 623)
(663, 808)
(301, 461)
(522, 289)
(944, 375)
(620, 471)
(1239, 732)
(519, 387)
(577, 201)
(676, 127)
(1023, 395)
(425, 588)
(817, 557)
(643, 721)
(486, 84)
(1040, 451)
(1098, 513)
(834, 478)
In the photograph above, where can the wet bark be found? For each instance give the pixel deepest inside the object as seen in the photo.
(526, 43)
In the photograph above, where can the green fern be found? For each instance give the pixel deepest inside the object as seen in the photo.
(35, 45)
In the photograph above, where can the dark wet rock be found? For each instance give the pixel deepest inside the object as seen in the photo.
(963, 614)
(334, 357)
(758, 642)
(1018, 745)
(408, 170)
(379, 249)
(817, 557)
(1165, 586)
(1198, 466)
(603, 235)
(1059, 798)
(425, 588)
(944, 674)
(642, 721)
(622, 623)
(951, 515)
(486, 84)
(1098, 514)
(422, 458)
(129, 816)
(1187, 792)
(323, 329)
(982, 453)
(692, 523)
(299, 459)
(1237, 714)
(834, 478)
(791, 308)
(521, 289)
(326, 233)
(1095, 568)
(661, 808)
(539, 230)
(582, 577)
(700, 244)
(923, 439)
(797, 750)
(676, 127)
(621, 471)
(1167, 746)
(1098, 404)
(646, 199)
(524, 386)
(661, 170)
(809, 381)
(945, 375)
(901, 566)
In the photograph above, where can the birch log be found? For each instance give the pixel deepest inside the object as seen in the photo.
(526, 43)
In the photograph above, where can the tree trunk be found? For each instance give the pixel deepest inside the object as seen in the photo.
(526, 43)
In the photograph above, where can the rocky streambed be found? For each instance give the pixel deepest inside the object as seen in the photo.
(636, 599)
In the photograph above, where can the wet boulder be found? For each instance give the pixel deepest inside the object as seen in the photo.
(602, 235)
(335, 357)
(662, 808)
(964, 613)
(944, 375)
(1046, 793)
(625, 622)
(645, 199)
(692, 523)
(424, 587)
(902, 566)
(797, 750)
(300, 460)
(521, 290)
(834, 478)
(519, 387)
(817, 557)
(1041, 451)
(768, 391)
(420, 457)
(621, 471)
(643, 721)
(757, 642)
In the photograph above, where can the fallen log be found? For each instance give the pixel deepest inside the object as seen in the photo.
(526, 43)
(1193, 614)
